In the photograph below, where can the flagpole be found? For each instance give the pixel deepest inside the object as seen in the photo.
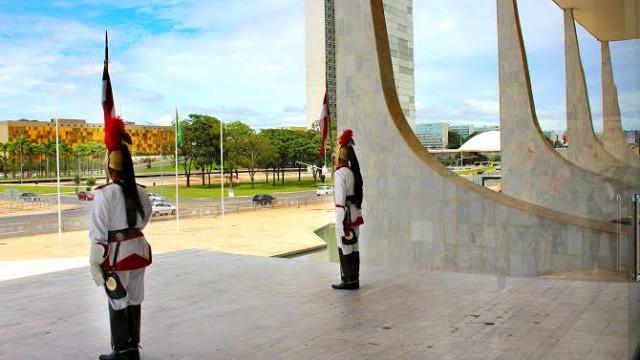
(177, 196)
(58, 175)
(222, 171)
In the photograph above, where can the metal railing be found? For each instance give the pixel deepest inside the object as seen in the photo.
(77, 223)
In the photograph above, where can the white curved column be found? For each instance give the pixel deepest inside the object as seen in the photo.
(584, 148)
(613, 137)
(417, 213)
(531, 169)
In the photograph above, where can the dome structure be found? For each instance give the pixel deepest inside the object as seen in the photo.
(488, 141)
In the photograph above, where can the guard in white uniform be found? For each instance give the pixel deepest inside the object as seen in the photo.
(347, 190)
(121, 209)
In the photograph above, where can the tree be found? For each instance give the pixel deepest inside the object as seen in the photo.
(199, 144)
(91, 181)
(236, 144)
(48, 149)
(455, 139)
(76, 181)
(38, 152)
(256, 145)
(204, 134)
(267, 156)
(4, 161)
(282, 141)
(66, 151)
(30, 151)
(19, 146)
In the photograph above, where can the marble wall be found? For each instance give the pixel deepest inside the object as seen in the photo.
(420, 215)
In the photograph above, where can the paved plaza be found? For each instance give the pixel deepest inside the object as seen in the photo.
(208, 305)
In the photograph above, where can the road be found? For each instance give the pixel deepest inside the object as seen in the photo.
(84, 211)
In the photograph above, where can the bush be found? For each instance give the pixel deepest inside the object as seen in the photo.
(91, 181)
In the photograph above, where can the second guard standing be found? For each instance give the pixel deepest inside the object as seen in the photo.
(347, 190)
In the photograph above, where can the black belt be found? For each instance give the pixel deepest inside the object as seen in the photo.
(124, 234)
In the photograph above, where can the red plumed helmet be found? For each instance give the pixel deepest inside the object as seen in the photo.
(114, 134)
(346, 138)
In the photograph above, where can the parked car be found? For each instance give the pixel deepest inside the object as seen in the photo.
(85, 195)
(162, 208)
(157, 198)
(263, 199)
(324, 190)
(29, 197)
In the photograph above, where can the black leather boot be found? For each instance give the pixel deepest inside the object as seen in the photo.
(356, 267)
(346, 268)
(119, 320)
(134, 312)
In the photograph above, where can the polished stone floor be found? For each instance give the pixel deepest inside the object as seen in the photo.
(205, 305)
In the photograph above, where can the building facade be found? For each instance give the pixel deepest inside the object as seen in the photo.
(433, 135)
(632, 136)
(321, 57)
(464, 130)
(147, 139)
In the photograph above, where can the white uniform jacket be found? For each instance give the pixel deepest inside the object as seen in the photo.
(109, 214)
(343, 191)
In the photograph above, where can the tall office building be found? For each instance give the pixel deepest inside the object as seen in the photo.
(321, 62)
(433, 135)
(464, 130)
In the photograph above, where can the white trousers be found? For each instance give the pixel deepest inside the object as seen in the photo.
(133, 282)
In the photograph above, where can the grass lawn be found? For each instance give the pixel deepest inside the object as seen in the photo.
(166, 168)
(39, 189)
(197, 191)
(488, 169)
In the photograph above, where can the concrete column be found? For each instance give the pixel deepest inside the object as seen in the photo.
(613, 136)
(417, 213)
(531, 169)
(584, 148)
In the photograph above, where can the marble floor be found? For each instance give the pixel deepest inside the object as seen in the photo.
(207, 305)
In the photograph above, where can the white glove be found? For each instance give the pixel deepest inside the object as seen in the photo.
(96, 273)
(96, 258)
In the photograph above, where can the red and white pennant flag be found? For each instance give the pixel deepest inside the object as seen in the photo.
(108, 105)
(324, 122)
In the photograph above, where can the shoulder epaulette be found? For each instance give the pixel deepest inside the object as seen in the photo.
(104, 185)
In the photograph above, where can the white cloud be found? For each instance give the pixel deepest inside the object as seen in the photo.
(248, 71)
(486, 107)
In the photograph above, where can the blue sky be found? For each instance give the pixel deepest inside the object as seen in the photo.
(244, 60)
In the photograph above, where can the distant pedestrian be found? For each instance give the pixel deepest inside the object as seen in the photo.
(347, 190)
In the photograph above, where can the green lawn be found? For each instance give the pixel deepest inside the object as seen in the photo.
(166, 168)
(488, 169)
(197, 191)
(39, 189)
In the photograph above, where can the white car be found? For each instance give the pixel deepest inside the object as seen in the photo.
(156, 198)
(162, 208)
(324, 190)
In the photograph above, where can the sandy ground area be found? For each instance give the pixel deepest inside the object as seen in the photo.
(265, 232)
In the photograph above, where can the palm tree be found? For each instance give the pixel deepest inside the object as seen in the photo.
(65, 153)
(11, 150)
(48, 149)
(31, 150)
(78, 151)
(37, 150)
(19, 146)
(3, 164)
